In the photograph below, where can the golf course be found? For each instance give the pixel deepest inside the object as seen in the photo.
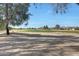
(39, 29)
(20, 43)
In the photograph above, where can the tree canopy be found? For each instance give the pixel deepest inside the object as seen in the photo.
(17, 13)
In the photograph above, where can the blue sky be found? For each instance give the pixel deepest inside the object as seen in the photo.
(44, 15)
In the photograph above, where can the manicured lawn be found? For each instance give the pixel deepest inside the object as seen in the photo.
(47, 30)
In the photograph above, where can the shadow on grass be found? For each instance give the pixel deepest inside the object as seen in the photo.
(35, 35)
(28, 47)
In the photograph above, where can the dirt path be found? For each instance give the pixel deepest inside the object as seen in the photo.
(29, 44)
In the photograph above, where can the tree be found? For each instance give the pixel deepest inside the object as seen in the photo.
(14, 14)
(61, 7)
(57, 26)
(2, 26)
(45, 27)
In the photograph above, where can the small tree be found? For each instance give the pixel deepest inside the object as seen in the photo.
(46, 27)
(57, 26)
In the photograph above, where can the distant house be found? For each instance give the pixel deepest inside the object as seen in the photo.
(72, 28)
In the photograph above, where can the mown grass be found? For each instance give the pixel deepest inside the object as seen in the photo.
(48, 30)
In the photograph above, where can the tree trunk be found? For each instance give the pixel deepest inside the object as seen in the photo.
(7, 29)
(7, 21)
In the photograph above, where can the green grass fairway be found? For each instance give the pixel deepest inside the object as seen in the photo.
(47, 30)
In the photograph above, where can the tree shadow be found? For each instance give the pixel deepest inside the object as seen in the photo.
(39, 35)
(74, 47)
(19, 44)
(36, 35)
